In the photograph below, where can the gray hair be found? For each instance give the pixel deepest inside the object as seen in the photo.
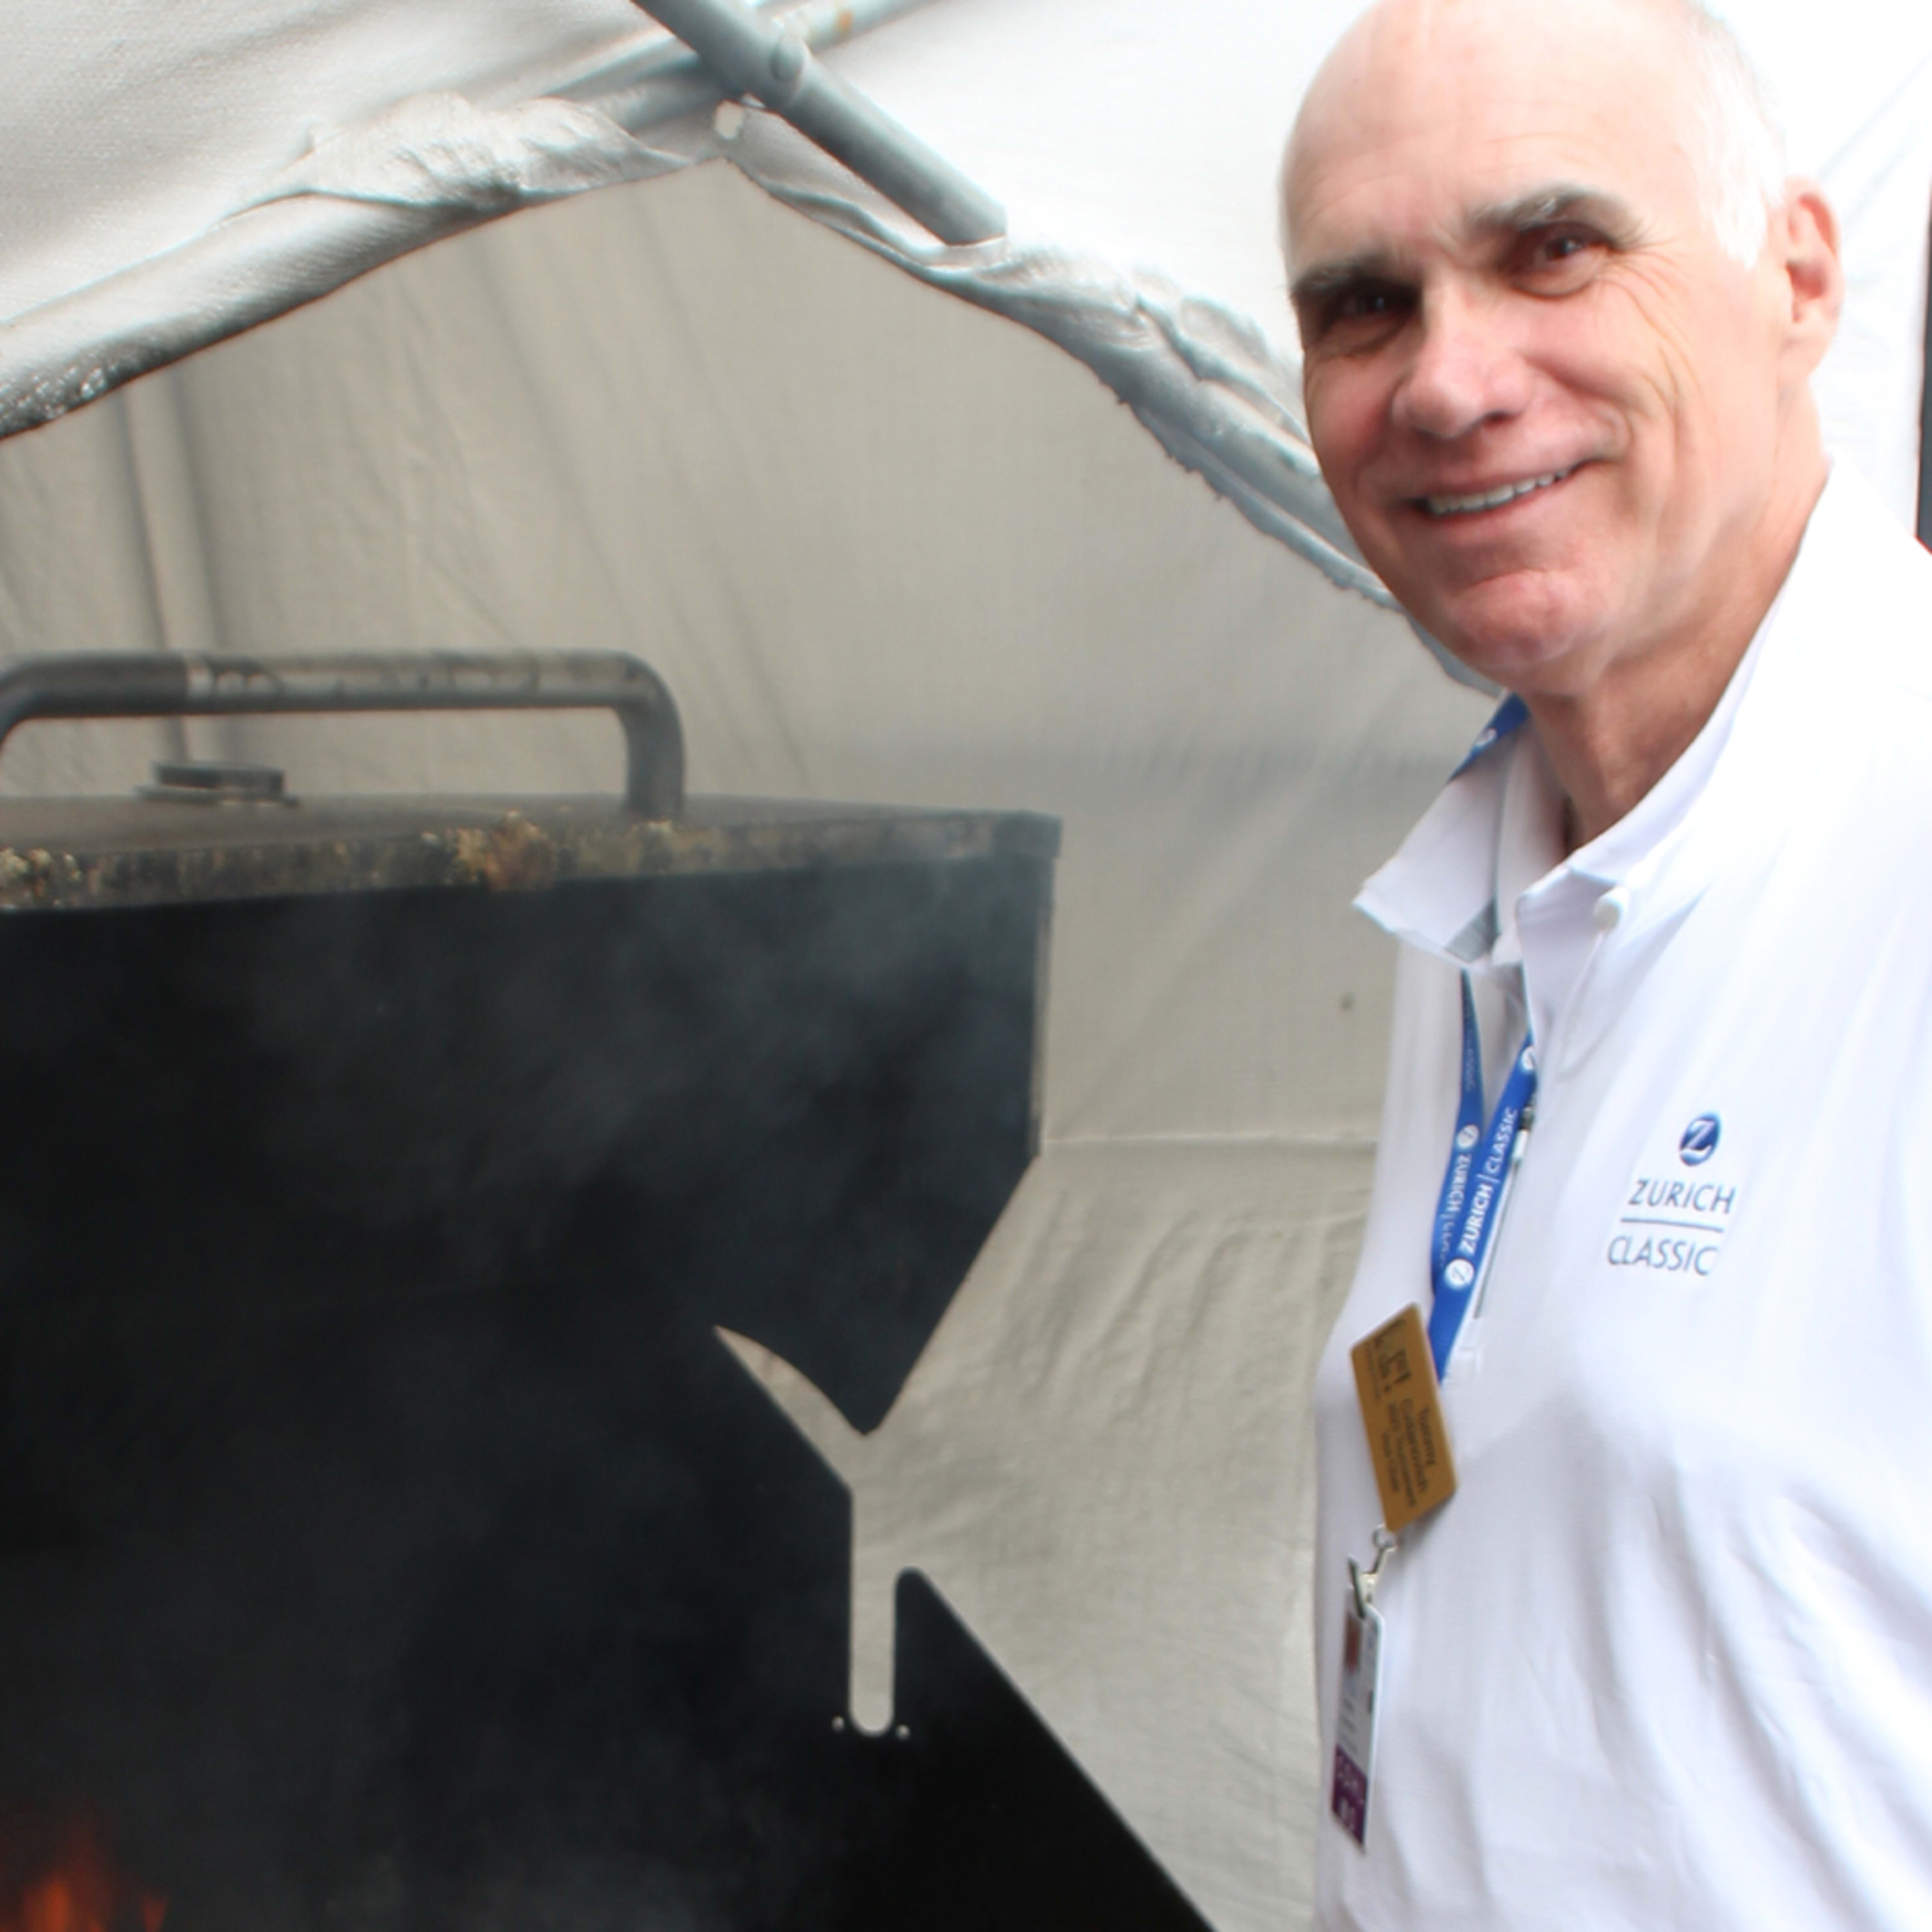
(1742, 157)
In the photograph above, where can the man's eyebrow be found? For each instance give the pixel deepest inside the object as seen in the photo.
(1543, 207)
(1521, 215)
(1328, 278)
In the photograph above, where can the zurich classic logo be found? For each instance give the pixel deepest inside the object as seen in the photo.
(1700, 1140)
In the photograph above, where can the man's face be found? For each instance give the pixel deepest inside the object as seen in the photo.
(1547, 404)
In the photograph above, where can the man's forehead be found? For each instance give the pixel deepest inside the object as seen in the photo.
(1463, 191)
(1431, 115)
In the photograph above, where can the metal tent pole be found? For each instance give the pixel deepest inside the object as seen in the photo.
(654, 84)
(756, 56)
(1925, 422)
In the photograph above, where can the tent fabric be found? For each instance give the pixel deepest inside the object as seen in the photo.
(1208, 385)
(1206, 382)
(884, 546)
(1112, 1256)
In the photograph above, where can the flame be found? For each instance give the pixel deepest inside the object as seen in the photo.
(72, 1885)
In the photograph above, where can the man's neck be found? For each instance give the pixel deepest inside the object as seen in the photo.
(1611, 743)
(1610, 747)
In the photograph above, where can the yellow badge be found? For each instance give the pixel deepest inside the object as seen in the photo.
(1402, 1411)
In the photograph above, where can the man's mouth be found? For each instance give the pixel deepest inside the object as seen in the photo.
(1492, 499)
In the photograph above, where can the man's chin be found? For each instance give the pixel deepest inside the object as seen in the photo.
(1523, 636)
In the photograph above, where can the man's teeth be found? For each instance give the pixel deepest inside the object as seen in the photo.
(1459, 506)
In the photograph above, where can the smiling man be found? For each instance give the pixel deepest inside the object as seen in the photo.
(1656, 1165)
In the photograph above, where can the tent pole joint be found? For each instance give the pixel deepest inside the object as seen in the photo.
(754, 56)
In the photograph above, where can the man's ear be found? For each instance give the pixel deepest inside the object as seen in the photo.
(1804, 236)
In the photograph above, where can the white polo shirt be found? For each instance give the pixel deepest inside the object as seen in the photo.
(1665, 1659)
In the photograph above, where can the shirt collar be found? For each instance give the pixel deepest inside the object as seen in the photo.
(1438, 891)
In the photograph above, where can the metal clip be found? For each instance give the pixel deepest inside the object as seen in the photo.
(1362, 1582)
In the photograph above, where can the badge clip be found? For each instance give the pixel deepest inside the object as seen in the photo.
(1362, 1582)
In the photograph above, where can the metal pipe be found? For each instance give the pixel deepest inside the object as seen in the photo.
(666, 80)
(756, 56)
(171, 684)
(650, 83)
(1925, 424)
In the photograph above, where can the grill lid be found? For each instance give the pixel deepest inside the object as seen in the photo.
(213, 832)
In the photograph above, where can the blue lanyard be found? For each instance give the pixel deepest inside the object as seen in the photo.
(1476, 1182)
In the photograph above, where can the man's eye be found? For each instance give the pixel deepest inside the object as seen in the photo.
(1562, 258)
(1359, 316)
(1370, 309)
(1562, 248)
(1362, 304)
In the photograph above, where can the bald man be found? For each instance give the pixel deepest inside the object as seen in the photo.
(1656, 1165)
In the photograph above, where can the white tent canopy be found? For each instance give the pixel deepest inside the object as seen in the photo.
(881, 547)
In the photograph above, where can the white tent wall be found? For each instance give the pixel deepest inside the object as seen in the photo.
(882, 546)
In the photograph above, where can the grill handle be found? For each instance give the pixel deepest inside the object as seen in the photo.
(178, 684)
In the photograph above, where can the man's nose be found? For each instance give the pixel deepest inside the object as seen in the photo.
(1466, 372)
